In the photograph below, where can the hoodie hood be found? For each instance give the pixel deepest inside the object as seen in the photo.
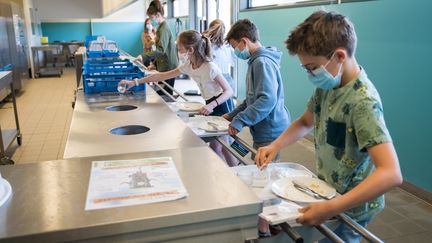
(271, 52)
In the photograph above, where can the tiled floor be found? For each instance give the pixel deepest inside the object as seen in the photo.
(45, 114)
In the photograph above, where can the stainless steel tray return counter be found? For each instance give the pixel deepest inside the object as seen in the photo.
(49, 199)
(89, 132)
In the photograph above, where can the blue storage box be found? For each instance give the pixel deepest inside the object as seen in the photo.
(89, 39)
(104, 75)
(109, 66)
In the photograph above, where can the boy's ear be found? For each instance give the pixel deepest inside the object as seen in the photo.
(246, 40)
(191, 49)
(341, 55)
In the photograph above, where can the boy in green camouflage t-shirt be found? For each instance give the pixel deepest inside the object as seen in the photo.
(354, 151)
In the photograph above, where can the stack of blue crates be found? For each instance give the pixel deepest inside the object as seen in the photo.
(103, 49)
(104, 69)
(105, 74)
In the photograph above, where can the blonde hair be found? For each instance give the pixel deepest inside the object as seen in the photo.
(200, 44)
(321, 33)
(216, 32)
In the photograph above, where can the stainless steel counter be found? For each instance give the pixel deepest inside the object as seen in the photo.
(89, 132)
(49, 198)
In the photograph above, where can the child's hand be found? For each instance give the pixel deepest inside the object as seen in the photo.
(265, 155)
(232, 130)
(139, 58)
(316, 213)
(206, 110)
(127, 84)
(226, 117)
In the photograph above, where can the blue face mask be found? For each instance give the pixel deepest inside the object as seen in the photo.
(154, 22)
(242, 54)
(322, 79)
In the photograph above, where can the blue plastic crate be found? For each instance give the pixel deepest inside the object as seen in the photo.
(113, 67)
(107, 53)
(97, 83)
(89, 39)
(107, 61)
(102, 54)
(95, 54)
(132, 71)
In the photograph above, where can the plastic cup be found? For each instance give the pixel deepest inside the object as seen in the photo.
(121, 89)
(246, 177)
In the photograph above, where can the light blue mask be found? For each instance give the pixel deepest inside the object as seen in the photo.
(149, 27)
(322, 79)
(154, 22)
(245, 54)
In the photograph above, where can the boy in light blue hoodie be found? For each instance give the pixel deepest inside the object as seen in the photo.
(263, 111)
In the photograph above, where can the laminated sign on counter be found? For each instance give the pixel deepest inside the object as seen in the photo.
(117, 183)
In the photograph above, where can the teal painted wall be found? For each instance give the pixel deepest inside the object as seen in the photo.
(66, 31)
(394, 47)
(126, 34)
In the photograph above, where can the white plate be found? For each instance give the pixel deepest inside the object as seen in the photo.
(221, 125)
(285, 189)
(5, 191)
(189, 106)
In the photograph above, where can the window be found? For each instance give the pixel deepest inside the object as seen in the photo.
(165, 6)
(181, 8)
(261, 3)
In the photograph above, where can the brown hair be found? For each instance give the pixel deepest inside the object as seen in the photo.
(200, 44)
(216, 32)
(243, 28)
(155, 7)
(321, 33)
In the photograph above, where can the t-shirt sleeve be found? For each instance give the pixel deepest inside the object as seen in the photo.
(214, 71)
(185, 68)
(312, 102)
(369, 124)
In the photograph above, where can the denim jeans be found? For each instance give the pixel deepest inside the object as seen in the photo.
(346, 233)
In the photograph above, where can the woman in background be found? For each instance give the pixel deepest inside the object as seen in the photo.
(148, 37)
(166, 51)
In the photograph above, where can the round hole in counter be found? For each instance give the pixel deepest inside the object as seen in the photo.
(121, 108)
(129, 130)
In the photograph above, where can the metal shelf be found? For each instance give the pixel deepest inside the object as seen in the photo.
(8, 136)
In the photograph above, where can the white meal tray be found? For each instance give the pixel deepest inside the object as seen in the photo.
(199, 125)
(276, 210)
